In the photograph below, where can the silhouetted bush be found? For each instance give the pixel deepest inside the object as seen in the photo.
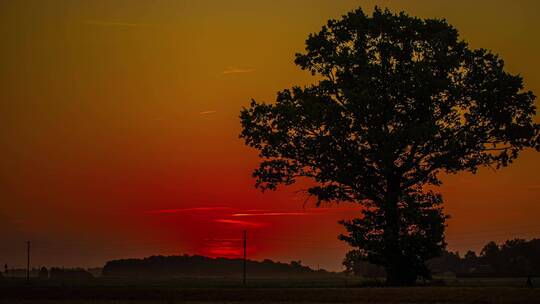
(43, 273)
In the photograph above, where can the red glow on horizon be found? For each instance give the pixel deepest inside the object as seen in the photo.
(227, 247)
(224, 252)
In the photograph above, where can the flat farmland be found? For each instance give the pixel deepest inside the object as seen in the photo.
(139, 294)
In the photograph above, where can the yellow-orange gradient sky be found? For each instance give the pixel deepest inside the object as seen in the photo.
(119, 129)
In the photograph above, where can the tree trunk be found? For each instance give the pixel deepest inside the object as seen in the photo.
(398, 271)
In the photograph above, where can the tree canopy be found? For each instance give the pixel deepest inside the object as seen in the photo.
(398, 100)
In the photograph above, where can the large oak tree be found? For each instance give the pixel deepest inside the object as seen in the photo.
(398, 100)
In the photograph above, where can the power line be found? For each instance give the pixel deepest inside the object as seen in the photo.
(28, 262)
(245, 257)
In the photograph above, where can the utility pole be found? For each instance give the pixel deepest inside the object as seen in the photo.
(28, 262)
(245, 245)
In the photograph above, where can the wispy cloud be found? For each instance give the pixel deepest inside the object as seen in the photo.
(166, 211)
(239, 223)
(207, 112)
(271, 214)
(114, 23)
(235, 70)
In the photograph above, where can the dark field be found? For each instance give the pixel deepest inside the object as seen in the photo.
(180, 291)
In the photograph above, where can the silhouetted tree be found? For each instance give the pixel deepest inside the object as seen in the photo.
(514, 257)
(398, 101)
(43, 273)
(470, 261)
(470, 255)
(490, 254)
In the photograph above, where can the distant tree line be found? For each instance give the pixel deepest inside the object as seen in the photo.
(186, 265)
(516, 257)
(53, 273)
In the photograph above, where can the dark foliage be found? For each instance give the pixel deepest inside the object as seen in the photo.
(399, 100)
(516, 257)
(181, 266)
(513, 258)
(356, 264)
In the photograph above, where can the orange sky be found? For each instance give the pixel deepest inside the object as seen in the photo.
(119, 129)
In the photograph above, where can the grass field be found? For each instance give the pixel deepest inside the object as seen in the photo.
(263, 291)
(275, 295)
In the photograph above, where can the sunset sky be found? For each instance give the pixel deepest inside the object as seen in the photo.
(119, 129)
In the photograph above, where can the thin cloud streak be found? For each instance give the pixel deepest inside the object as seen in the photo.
(233, 70)
(167, 211)
(270, 214)
(240, 223)
(114, 23)
(207, 112)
